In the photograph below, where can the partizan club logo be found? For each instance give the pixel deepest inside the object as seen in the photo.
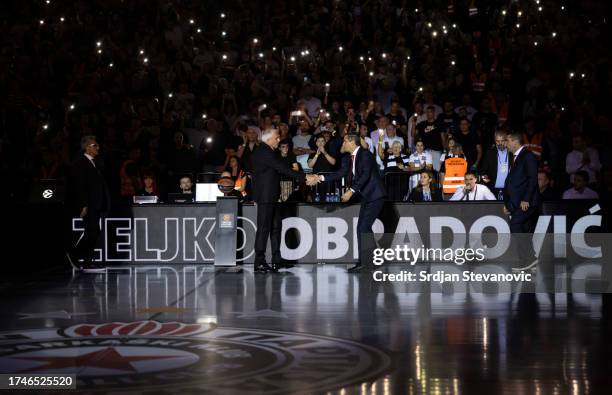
(176, 357)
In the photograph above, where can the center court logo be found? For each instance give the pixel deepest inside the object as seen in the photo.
(177, 357)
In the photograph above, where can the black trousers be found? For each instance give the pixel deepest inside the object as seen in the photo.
(268, 227)
(87, 244)
(367, 215)
(522, 223)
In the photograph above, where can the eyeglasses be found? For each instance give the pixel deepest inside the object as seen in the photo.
(94, 145)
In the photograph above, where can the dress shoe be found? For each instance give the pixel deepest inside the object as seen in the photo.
(72, 262)
(264, 268)
(93, 267)
(532, 266)
(354, 269)
(283, 264)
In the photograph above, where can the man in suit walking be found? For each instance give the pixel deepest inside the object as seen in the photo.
(92, 199)
(361, 171)
(521, 197)
(267, 169)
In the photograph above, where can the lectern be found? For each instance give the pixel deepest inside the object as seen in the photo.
(225, 238)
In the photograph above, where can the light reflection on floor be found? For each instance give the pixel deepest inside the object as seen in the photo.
(313, 329)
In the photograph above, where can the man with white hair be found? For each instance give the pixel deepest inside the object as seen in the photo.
(92, 199)
(267, 169)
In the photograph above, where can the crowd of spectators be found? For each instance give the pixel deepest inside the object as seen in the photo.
(179, 88)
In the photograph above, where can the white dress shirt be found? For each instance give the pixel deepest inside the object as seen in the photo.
(573, 163)
(354, 155)
(91, 159)
(516, 154)
(573, 193)
(480, 192)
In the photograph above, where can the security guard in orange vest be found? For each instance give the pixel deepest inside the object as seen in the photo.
(453, 170)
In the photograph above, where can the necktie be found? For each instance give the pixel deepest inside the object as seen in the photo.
(350, 174)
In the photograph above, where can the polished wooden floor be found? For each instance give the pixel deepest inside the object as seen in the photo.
(311, 329)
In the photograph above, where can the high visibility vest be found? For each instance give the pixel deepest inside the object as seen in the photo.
(454, 174)
(534, 145)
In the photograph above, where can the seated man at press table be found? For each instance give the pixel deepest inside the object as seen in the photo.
(472, 190)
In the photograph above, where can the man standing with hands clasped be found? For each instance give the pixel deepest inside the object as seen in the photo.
(361, 172)
(267, 168)
(521, 197)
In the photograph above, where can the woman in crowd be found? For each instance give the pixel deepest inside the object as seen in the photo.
(149, 185)
(237, 174)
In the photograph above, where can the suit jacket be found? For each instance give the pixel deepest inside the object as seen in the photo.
(416, 195)
(89, 185)
(266, 175)
(522, 181)
(366, 180)
(489, 166)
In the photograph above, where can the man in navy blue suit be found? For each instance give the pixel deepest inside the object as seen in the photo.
(361, 172)
(521, 195)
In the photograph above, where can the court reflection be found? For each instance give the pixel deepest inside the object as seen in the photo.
(386, 340)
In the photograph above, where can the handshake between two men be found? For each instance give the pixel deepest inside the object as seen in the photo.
(314, 179)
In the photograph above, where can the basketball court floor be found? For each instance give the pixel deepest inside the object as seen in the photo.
(312, 329)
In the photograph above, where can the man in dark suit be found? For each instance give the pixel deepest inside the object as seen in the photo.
(267, 169)
(496, 165)
(92, 199)
(361, 172)
(521, 197)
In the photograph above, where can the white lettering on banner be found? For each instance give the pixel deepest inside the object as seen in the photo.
(187, 239)
(305, 238)
(118, 234)
(165, 253)
(539, 233)
(501, 227)
(559, 229)
(191, 239)
(355, 241)
(407, 226)
(246, 222)
(578, 236)
(377, 228)
(143, 254)
(337, 237)
(436, 224)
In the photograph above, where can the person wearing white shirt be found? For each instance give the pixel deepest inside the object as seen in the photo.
(418, 116)
(582, 158)
(420, 160)
(580, 189)
(384, 143)
(472, 191)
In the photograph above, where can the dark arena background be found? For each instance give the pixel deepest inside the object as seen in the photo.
(148, 148)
